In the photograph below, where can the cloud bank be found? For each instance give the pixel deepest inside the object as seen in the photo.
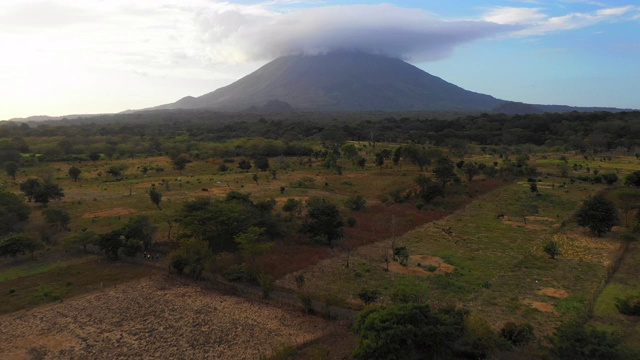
(381, 29)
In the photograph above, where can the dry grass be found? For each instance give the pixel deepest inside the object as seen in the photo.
(154, 318)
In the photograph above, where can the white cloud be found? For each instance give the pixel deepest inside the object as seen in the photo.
(536, 22)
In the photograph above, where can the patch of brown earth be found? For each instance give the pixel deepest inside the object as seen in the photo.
(542, 306)
(540, 218)
(110, 212)
(556, 293)
(155, 318)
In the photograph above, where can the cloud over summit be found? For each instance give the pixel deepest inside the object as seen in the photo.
(380, 29)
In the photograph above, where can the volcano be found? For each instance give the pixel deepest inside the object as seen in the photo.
(343, 81)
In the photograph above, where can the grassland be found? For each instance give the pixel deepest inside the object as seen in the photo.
(481, 247)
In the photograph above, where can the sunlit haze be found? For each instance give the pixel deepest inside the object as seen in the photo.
(99, 56)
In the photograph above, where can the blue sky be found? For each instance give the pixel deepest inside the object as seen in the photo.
(97, 56)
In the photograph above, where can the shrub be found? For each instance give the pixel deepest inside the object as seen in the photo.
(356, 202)
(517, 334)
(266, 285)
(403, 255)
(368, 295)
(629, 305)
(351, 221)
(552, 248)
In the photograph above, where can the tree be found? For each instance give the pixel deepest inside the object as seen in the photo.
(402, 331)
(111, 243)
(575, 341)
(47, 192)
(429, 190)
(552, 248)
(368, 295)
(94, 156)
(180, 163)
(628, 199)
(610, 178)
(632, 179)
(13, 212)
(74, 173)
(349, 151)
(252, 243)
(82, 238)
(117, 171)
(324, 221)
(379, 160)
(355, 202)
(156, 196)
(261, 163)
(444, 171)
(192, 255)
(11, 167)
(292, 206)
(57, 218)
(599, 214)
(470, 170)
(15, 244)
(139, 227)
(29, 187)
(244, 165)
(255, 178)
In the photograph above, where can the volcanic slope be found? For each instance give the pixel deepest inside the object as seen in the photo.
(343, 81)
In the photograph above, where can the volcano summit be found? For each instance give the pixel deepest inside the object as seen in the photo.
(342, 81)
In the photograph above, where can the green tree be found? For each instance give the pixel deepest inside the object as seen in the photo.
(355, 202)
(444, 171)
(552, 248)
(111, 243)
(11, 167)
(470, 170)
(191, 257)
(94, 156)
(368, 295)
(599, 214)
(29, 187)
(349, 151)
(74, 173)
(156, 196)
(610, 178)
(180, 163)
(15, 244)
(244, 165)
(117, 171)
(83, 238)
(577, 342)
(261, 163)
(252, 243)
(292, 206)
(324, 221)
(139, 228)
(46, 192)
(429, 190)
(628, 199)
(632, 179)
(13, 212)
(255, 178)
(402, 331)
(57, 218)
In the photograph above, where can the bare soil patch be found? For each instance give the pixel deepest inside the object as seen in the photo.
(418, 265)
(542, 306)
(154, 318)
(556, 293)
(110, 212)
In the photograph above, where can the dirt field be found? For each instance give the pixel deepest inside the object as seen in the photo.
(159, 317)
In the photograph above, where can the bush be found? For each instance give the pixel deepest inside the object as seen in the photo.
(356, 202)
(351, 221)
(403, 255)
(266, 285)
(629, 305)
(239, 273)
(517, 334)
(368, 295)
(575, 341)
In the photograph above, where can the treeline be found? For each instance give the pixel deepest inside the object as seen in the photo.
(203, 134)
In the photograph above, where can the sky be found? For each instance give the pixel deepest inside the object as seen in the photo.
(104, 56)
